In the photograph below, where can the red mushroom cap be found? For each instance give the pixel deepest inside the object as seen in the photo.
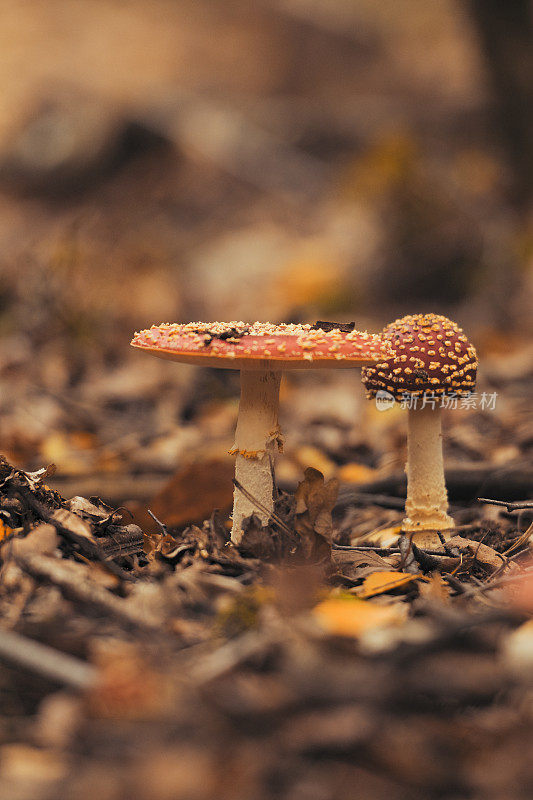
(261, 345)
(431, 354)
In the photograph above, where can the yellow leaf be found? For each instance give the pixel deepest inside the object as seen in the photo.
(353, 617)
(4, 530)
(381, 582)
(356, 473)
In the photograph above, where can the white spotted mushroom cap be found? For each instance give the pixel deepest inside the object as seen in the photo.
(261, 345)
(431, 354)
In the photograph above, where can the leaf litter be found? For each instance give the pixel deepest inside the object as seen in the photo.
(260, 660)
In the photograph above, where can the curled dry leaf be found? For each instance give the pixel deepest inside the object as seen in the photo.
(315, 500)
(77, 527)
(480, 552)
(84, 508)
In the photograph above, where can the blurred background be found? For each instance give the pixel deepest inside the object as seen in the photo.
(172, 160)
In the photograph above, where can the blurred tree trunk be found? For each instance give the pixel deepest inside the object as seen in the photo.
(505, 30)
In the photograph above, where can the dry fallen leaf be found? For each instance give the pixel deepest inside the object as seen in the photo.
(435, 588)
(191, 495)
(352, 616)
(315, 500)
(480, 552)
(76, 526)
(381, 582)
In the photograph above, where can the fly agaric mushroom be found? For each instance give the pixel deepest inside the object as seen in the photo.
(261, 351)
(432, 359)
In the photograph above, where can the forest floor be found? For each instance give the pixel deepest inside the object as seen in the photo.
(153, 659)
(227, 160)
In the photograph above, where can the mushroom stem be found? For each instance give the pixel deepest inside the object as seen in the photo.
(257, 440)
(427, 499)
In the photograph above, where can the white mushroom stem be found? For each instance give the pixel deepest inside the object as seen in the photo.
(257, 439)
(427, 499)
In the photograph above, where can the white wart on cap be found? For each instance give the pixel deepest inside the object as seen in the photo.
(431, 354)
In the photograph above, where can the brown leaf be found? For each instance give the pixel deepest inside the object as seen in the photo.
(315, 500)
(261, 542)
(435, 588)
(83, 507)
(72, 523)
(480, 552)
(191, 495)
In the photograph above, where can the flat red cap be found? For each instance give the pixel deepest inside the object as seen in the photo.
(261, 345)
(431, 354)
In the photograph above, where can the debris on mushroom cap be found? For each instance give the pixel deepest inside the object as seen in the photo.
(431, 354)
(237, 345)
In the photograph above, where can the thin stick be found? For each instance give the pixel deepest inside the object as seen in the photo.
(273, 516)
(45, 661)
(527, 574)
(384, 550)
(520, 505)
(158, 521)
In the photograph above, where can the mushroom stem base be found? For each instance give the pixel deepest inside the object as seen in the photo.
(427, 499)
(257, 440)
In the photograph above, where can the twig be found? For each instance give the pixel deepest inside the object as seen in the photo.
(162, 525)
(447, 549)
(273, 516)
(384, 551)
(518, 506)
(527, 574)
(46, 661)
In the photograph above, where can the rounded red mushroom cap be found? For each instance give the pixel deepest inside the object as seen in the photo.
(431, 354)
(261, 345)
